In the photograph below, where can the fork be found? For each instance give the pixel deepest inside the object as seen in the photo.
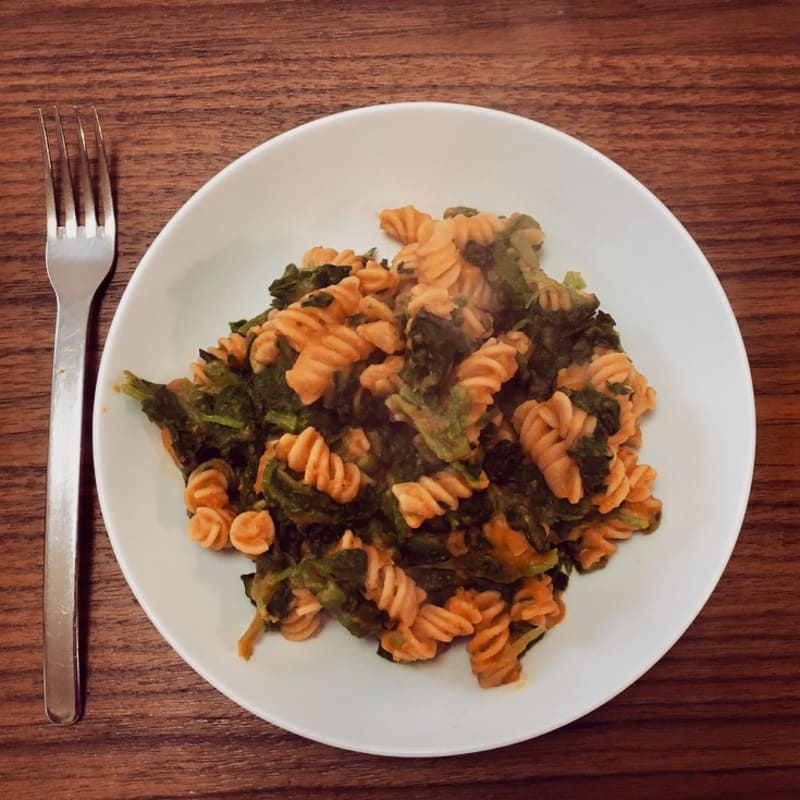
(78, 257)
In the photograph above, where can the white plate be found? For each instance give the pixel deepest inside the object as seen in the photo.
(323, 183)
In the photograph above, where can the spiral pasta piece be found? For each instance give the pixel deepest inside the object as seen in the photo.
(199, 376)
(640, 476)
(320, 256)
(374, 278)
(382, 379)
(355, 443)
(303, 322)
(476, 301)
(404, 645)
(642, 397)
(482, 373)
(554, 298)
(313, 371)
(252, 532)
(616, 484)
(403, 223)
(605, 367)
(384, 335)
(643, 515)
(481, 228)
(610, 367)
(405, 262)
(436, 299)
(303, 619)
(440, 624)
(627, 480)
(463, 603)
(596, 541)
(397, 594)
(474, 288)
(231, 349)
(570, 422)
(612, 373)
(264, 346)
(266, 456)
(387, 585)
(420, 640)
(209, 527)
(628, 425)
(546, 431)
(438, 259)
(308, 452)
(535, 602)
(492, 659)
(633, 405)
(207, 485)
(475, 321)
(431, 495)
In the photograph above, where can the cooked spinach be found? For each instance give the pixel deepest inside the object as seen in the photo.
(433, 346)
(298, 282)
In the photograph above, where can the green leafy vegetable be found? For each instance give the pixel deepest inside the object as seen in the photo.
(317, 300)
(198, 428)
(433, 345)
(338, 583)
(605, 408)
(306, 506)
(454, 211)
(241, 326)
(296, 283)
(594, 459)
(440, 426)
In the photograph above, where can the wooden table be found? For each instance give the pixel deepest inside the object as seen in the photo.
(699, 100)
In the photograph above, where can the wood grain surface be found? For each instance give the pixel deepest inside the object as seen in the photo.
(699, 100)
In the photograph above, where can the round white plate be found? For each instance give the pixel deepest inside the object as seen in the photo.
(324, 183)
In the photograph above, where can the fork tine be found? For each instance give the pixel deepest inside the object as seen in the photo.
(49, 191)
(90, 219)
(109, 221)
(70, 217)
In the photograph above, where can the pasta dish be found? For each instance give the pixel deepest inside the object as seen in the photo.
(423, 448)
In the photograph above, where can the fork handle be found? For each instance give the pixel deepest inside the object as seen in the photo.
(62, 681)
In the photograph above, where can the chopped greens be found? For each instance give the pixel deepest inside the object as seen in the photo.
(433, 346)
(296, 282)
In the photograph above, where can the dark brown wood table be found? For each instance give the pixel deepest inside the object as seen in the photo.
(699, 100)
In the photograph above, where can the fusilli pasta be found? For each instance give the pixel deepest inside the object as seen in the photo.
(403, 223)
(326, 471)
(207, 485)
(303, 619)
(252, 532)
(546, 432)
(482, 373)
(430, 495)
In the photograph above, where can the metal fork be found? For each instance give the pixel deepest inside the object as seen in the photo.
(78, 257)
